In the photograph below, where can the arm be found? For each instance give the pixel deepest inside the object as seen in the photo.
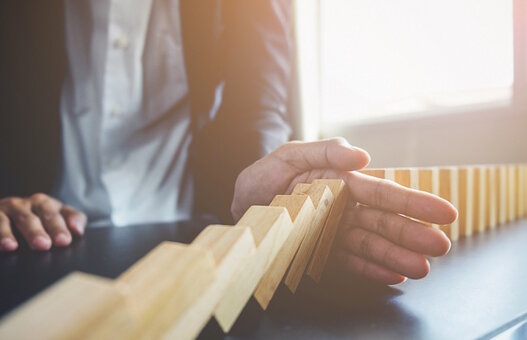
(251, 121)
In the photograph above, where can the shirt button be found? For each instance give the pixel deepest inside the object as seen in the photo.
(121, 43)
(115, 113)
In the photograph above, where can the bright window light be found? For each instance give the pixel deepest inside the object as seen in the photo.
(386, 58)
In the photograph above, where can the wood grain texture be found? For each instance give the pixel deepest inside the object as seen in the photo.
(511, 193)
(322, 199)
(463, 200)
(231, 248)
(493, 185)
(270, 227)
(320, 256)
(301, 210)
(165, 283)
(501, 173)
(379, 173)
(78, 306)
(403, 177)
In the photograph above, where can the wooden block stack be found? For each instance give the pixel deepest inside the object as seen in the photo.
(176, 288)
(485, 195)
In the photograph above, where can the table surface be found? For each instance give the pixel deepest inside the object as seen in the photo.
(478, 290)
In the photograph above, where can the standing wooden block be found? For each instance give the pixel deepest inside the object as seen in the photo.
(517, 192)
(389, 174)
(428, 181)
(475, 199)
(482, 198)
(466, 200)
(502, 194)
(524, 186)
(320, 256)
(493, 186)
(231, 248)
(379, 173)
(166, 283)
(522, 190)
(448, 189)
(511, 192)
(402, 176)
(78, 306)
(322, 199)
(414, 178)
(270, 227)
(301, 211)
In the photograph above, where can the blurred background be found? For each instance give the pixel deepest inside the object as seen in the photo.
(414, 82)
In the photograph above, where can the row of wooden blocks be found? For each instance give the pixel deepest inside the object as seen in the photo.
(176, 288)
(485, 195)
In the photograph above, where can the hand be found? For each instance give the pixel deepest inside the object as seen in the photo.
(42, 221)
(374, 240)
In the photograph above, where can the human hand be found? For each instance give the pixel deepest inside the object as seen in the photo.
(374, 240)
(42, 221)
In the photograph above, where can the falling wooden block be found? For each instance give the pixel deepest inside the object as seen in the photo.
(320, 256)
(165, 283)
(448, 189)
(322, 199)
(231, 248)
(301, 211)
(78, 306)
(270, 227)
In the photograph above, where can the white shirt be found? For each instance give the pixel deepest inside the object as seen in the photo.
(125, 112)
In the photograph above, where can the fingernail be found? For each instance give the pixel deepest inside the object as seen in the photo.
(41, 243)
(62, 239)
(78, 226)
(8, 244)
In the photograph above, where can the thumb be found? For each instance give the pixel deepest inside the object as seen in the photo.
(333, 153)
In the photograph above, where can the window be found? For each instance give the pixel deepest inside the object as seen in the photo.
(383, 59)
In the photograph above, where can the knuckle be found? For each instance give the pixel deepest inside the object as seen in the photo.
(39, 197)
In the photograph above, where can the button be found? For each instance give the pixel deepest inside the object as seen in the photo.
(115, 113)
(121, 42)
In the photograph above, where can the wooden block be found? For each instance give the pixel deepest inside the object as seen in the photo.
(301, 210)
(402, 176)
(379, 173)
(165, 283)
(322, 199)
(389, 174)
(320, 256)
(522, 191)
(78, 306)
(428, 181)
(517, 192)
(414, 178)
(475, 199)
(270, 227)
(448, 189)
(463, 200)
(511, 192)
(493, 185)
(482, 198)
(231, 248)
(502, 194)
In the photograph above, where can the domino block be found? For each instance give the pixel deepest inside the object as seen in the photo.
(389, 174)
(522, 190)
(320, 256)
(493, 185)
(524, 195)
(501, 173)
(466, 200)
(322, 199)
(428, 181)
(379, 173)
(78, 306)
(270, 227)
(403, 177)
(481, 195)
(231, 248)
(301, 211)
(448, 189)
(165, 283)
(517, 192)
(511, 193)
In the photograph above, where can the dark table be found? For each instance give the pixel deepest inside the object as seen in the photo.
(478, 290)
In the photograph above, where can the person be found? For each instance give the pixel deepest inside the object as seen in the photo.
(177, 108)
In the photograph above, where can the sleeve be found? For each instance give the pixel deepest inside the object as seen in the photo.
(251, 120)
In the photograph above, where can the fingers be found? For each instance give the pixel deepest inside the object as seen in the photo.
(75, 220)
(369, 269)
(29, 225)
(7, 239)
(374, 248)
(333, 153)
(400, 230)
(389, 196)
(48, 211)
